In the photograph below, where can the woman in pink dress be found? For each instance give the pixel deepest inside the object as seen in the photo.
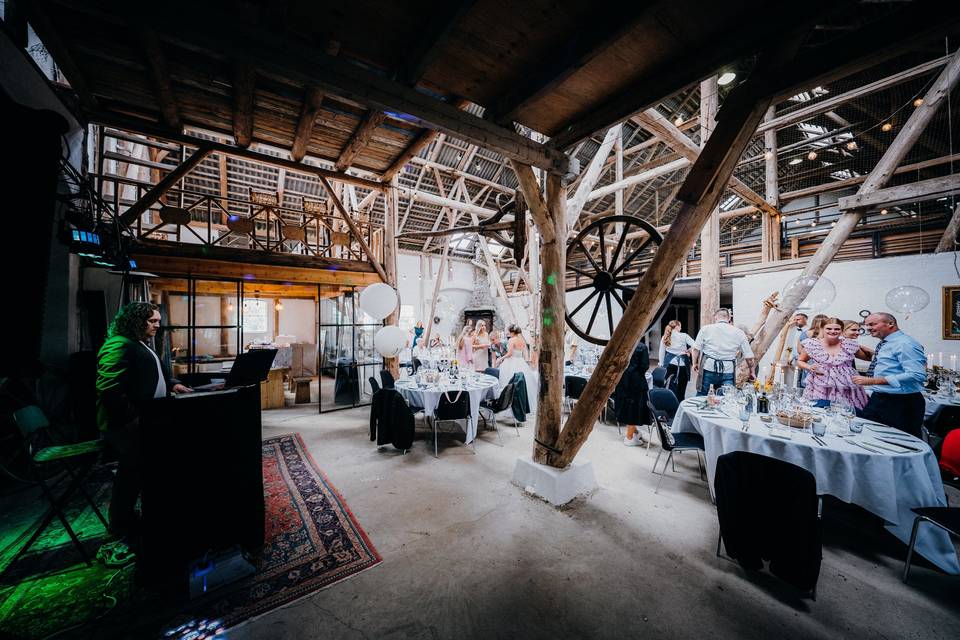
(828, 360)
(465, 347)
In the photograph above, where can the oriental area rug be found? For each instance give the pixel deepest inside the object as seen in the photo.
(312, 541)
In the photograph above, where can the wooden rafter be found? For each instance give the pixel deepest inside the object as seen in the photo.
(161, 78)
(309, 108)
(244, 81)
(360, 139)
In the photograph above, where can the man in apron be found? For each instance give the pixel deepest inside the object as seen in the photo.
(716, 350)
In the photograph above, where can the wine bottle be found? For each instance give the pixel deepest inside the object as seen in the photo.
(763, 404)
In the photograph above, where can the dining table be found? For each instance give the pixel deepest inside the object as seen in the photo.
(881, 469)
(934, 401)
(478, 386)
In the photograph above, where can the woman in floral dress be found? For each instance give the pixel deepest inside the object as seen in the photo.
(828, 360)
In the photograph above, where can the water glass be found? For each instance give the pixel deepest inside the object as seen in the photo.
(819, 428)
(855, 426)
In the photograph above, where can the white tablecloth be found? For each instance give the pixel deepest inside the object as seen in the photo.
(479, 386)
(933, 401)
(887, 484)
(581, 372)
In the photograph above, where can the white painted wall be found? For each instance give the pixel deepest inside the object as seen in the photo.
(298, 318)
(863, 284)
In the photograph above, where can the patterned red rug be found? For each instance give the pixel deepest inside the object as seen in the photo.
(312, 542)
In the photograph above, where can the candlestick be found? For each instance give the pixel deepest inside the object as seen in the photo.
(953, 362)
(940, 359)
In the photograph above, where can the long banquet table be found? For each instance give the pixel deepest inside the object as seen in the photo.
(888, 484)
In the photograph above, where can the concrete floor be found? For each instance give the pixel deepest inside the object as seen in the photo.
(468, 555)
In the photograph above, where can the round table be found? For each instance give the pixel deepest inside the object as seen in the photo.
(587, 371)
(480, 387)
(888, 481)
(934, 400)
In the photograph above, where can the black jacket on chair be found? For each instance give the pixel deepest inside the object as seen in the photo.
(768, 510)
(391, 420)
(521, 404)
(630, 396)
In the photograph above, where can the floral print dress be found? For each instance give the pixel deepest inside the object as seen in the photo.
(835, 380)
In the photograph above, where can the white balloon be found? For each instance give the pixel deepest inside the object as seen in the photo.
(907, 299)
(389, 341)
(378, 300)
(821, 295)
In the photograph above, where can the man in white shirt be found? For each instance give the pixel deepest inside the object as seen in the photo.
(797, 334)
(720, 344)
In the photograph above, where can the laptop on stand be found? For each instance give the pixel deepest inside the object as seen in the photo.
(249, 368)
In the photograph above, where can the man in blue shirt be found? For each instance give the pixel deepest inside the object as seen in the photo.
(896, 376)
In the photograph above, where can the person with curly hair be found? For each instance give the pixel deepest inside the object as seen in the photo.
(129, 376)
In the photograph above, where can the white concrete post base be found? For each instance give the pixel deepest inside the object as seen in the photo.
(556, 486)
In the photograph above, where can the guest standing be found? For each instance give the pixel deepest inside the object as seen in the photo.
(716, 351)
(896, 376)
(795, 335)
(514, 361)
(417, 334)
(828, 361)
(674, 355)
(465, 347)
(481, 347)
(630, 396)
(498, 346)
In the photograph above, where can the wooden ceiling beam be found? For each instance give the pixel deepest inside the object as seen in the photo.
(360, 139)
(161, 78)
(244, 82)
(431, 34)
(312, 100)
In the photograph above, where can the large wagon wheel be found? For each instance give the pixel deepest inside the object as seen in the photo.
(609, 257)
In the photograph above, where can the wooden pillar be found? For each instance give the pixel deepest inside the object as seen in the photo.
(770, 224)
(880, 176)
(618, 169)
(710, 236)
(390, 263)
(699, 196)
(949, 240)
(550, 217)
(224, 322)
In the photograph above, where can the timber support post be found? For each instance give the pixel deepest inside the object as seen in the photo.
(390, 263)
(550, 219)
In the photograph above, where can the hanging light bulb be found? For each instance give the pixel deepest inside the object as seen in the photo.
(278, 306)
(833, 224)
(795, 161)
(852, 145)
(679, 120)
(883, 212)
(753, 217)
(812, 155)
(726, 78)
(733, 228)
(918, 102)
(886, 126)
(813, 224)
(768, 155)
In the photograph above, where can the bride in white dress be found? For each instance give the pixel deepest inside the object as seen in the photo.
(513, 361)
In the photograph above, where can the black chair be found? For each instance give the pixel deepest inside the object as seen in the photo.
(947, 518)
(416, 365)
(491, 371)
(944, 419)
(451, 410)
(374, 385)
(769, 510)
(661, 402)
(502, 403)
(673, 443)
(386, 378)
(659, 377)
(573, 387)
(76, 459)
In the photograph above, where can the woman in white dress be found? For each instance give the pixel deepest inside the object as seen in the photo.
(481, 344)
(513, 361)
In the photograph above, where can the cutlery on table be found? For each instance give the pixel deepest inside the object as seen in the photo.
(899, 444)
(865, 447)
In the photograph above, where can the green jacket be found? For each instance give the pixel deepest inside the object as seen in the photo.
(126, 381)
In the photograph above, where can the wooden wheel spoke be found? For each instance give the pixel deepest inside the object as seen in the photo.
(582, 304)
(581, 287)
(618, 298)
(603, 248)
(589, 257)
(593, 316)
(632, 255)
(581, 271)
(620, 243)
(609, 312)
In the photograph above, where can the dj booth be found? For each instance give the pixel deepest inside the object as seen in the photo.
(202, 479)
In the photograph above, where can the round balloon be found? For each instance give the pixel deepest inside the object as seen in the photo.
(378, 300)
(821, 293)
(907, 299)
(389, 341)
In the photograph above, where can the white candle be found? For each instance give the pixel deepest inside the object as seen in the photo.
(796, 376)
(953, 362)
(929, 361)
(940, 359)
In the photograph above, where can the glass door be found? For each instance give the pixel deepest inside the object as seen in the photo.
(348, 358)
